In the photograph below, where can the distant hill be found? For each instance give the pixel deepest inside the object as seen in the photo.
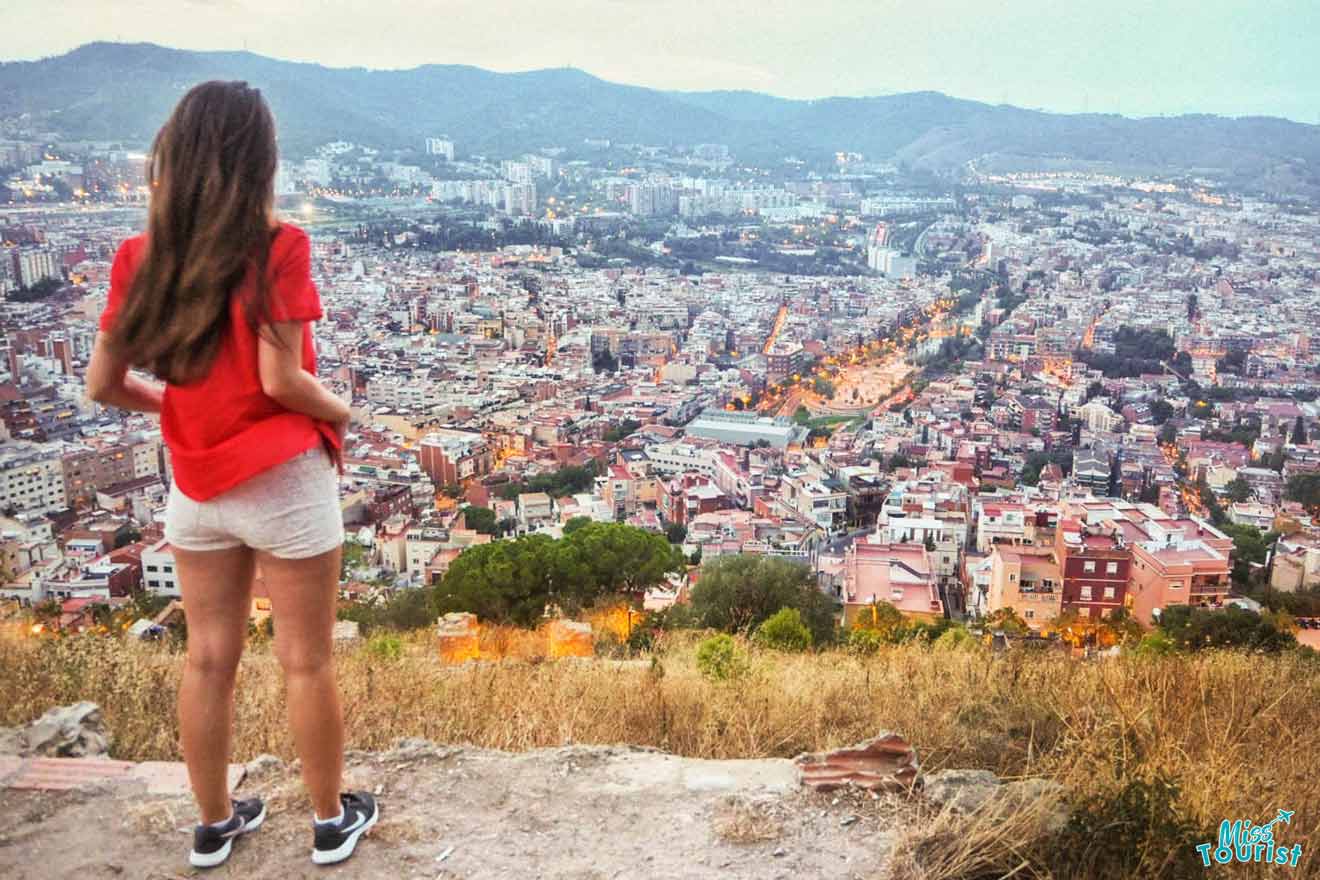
(123, 91)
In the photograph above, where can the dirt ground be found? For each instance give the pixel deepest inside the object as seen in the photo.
(574, 813)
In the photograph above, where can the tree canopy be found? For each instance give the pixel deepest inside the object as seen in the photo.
(1195, 629)
(1304, 488)
(515, 580)
(738, 593)
(481, 519)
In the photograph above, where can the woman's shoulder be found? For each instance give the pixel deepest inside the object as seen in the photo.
(132, 246)
(287, 235)
(128, 256)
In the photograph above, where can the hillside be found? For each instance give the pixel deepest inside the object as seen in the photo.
(122, 91)
(1150, 752)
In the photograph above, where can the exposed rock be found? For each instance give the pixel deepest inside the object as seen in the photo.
(1034, 789)
(494, 814)
(263, 765)
(76, 731)
(570, 638)
(458, 635)
(969, 790)
(963, 790)
(415, 748)
(883, 763)
(346, 631)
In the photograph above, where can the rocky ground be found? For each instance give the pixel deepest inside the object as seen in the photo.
(573, 812)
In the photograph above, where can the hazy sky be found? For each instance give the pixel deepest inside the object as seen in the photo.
(1136, 57)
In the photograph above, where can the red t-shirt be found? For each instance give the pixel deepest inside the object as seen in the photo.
(223, 429)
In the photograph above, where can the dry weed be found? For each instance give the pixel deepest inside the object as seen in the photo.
(1238, 734)
(743, 820)
(999, 839)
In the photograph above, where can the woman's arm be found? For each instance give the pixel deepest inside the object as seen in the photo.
(110, 382)
(279, 361)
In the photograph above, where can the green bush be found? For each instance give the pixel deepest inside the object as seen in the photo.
(1196, 629)
(1156, 644)
(784, 631)
(1139, 830)
(956, 638)
(384, 646)
(737, 593)
(719, 658)
(865, 640)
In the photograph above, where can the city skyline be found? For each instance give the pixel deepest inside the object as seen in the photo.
(1222, 57)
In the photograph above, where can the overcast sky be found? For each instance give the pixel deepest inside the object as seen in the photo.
(1137, 57)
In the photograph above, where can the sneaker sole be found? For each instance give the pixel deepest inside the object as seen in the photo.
(345, 849)
(220, 856)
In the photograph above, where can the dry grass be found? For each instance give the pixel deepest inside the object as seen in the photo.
(743, 820)
(995, 840)
(1239, 734)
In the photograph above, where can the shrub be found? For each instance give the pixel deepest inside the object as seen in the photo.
(865, 641)
(736, 593)
(1196, 629)
(719, 658)
(1156, 644)
(956, 638)
(784, 631)
(1137, 831)
(384, 646)
(884, 620)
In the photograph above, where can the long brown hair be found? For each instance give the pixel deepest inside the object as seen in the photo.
(211, 170)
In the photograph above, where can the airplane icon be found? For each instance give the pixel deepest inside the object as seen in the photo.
(1284, 816)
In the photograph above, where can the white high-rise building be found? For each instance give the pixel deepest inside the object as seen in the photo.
(441, 146)
(519, 199)
(516, 172)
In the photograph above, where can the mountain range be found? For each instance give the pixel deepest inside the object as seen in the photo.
(118, 91)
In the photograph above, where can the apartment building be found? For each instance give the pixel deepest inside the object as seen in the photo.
(158, 570)
(900, 574)
(449, 457)
(87, 469)
(1180, 562)
(31, 479)
(1096, 566)
(1027, 580)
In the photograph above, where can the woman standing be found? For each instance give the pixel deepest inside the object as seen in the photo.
(216, 300)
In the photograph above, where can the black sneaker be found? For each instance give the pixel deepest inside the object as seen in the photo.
(334, 843)
(211, 845)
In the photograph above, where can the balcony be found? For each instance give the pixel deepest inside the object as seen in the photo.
(1037, 587)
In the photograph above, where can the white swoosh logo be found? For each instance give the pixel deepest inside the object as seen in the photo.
(361, 820)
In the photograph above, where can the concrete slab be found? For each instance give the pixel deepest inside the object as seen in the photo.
(62, 774)
(171, 777)
(638, 772)
(9, 767)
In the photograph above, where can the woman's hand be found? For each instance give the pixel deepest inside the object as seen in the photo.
(340, 427)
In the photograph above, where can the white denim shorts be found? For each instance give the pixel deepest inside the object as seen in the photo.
(290, 511)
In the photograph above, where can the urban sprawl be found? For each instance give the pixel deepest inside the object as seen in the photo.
(1067, 394)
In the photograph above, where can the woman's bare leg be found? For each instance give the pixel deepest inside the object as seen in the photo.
(302, 598)
(217, 599)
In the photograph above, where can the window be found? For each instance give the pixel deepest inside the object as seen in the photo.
(1175, 585)
(1012, 578)
(153, 568)
(1086, 594)
(1109, 592)
(1088, 566)
(1029, 614)
(1111, 568)
(153, 583)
